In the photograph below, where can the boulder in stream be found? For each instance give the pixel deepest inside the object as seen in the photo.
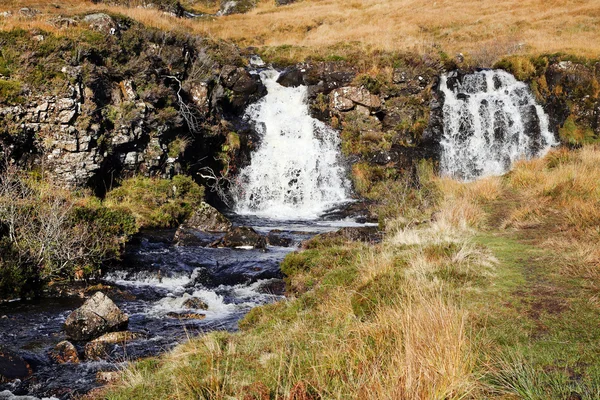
(99, 348)
(242, 236)
(96, 316)
(195, 303)
(274, 238)
(64, 352)
(12, 366)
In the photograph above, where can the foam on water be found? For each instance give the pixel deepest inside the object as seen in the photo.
(175, 283)
(296, 172)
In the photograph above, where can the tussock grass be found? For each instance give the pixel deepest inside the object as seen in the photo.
(485, 30)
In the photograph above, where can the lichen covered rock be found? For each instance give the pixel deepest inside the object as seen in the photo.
(96, 316)
(65, 352)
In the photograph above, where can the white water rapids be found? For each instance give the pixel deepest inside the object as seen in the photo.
(296, 172)
(490, 121)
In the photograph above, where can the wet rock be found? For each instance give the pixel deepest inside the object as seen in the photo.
(12, 366)
(96, 316)
(291, 77)
(207, 218)
(101, 22)
(65, 352)
(195, 303)
(105, 377)
(196, 316)
(242, 236)
(99, 348)
(367, 234)
(246, 88)
(192, 237)
(272, 286)
(274, 238)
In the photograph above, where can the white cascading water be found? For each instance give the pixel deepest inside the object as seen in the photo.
(296, 172)
(490, 121)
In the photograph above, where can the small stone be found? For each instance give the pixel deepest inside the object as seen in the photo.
(105, 377)
(195, 303)
(65, 117)
(29, 12)
(175, 315)
(101, 22)
(65, 352)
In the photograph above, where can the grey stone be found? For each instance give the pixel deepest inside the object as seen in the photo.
(101, 22)
(96, 316)
(65, 117)
(207, 218)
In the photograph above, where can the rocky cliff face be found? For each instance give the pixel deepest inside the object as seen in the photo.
(120, 100)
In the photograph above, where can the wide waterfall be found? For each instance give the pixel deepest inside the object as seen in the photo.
(490, 120)
(296, 172)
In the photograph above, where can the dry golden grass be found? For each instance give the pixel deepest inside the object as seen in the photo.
(486, 29)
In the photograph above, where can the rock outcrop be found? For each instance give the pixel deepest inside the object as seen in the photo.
(96, 316)
(118, 110)
(229, 7)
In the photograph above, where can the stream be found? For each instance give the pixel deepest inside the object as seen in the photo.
(152, 284)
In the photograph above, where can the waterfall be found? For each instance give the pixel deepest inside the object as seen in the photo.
(296, 172)
(490, 120)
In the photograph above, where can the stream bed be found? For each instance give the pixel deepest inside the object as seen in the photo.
(153, 284)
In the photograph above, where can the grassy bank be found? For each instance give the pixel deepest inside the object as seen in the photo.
(484, 29)
(495, 297)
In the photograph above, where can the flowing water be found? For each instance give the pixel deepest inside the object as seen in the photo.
(154, 280)
(296, 173)
(490, 121)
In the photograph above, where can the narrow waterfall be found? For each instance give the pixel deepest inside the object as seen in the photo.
(296, 172)
(490, 120)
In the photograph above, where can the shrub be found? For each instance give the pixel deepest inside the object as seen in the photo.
(157, 203)
(10, 91)
(50, 234)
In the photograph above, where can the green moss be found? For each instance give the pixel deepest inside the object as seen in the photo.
(573, 133)
(177, 146)
(520, 66)
(233, 141)
(157, 203)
